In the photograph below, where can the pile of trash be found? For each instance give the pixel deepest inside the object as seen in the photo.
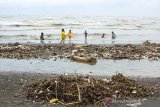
(84, 90)
(83, 53)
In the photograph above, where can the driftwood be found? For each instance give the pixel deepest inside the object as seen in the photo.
(84, 59)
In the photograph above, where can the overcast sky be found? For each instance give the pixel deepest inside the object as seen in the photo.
(81, 7)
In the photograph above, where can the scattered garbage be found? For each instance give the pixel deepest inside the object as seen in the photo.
(146, 50)
(84, 90)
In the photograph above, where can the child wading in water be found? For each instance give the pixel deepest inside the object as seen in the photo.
(63, 36)
(103, 35)
(70, 34)
(113, 35)
(41, 37)
(85, 33)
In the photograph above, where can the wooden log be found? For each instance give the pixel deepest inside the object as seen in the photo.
(84, 59)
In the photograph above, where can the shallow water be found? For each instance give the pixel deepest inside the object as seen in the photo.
(128, 29)
(102, 67)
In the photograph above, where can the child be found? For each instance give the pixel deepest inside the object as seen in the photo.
(70, 34)
(63, 36)
(113, 35)
(41, 37)
(85, 33)
(103, 35)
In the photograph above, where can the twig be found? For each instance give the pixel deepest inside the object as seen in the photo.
(79, 94)
(61, 102)
(56, 89)
(100, 101)
(69, 104)
(47, 98)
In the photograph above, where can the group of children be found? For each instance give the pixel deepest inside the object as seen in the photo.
(70, 34)
(63, 36)
(113, 35)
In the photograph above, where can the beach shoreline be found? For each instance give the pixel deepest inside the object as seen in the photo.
(146, 50)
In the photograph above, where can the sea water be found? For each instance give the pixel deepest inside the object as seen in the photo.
(27, 29)
(144, 68)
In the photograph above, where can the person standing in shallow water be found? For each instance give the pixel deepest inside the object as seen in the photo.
(70, 34)
(41, 37)
(103, 35)
(113, 35)
(63, 36)
(85, 33)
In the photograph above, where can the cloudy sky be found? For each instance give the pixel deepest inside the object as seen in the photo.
(81, 7)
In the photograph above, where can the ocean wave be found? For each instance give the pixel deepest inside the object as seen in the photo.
(16, 25)
(111, 25)
(1, 36)
(19, 25)
(41, 25)
(58, 24)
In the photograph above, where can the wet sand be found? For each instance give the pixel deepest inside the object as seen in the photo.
(11, 89)
(12, 93)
